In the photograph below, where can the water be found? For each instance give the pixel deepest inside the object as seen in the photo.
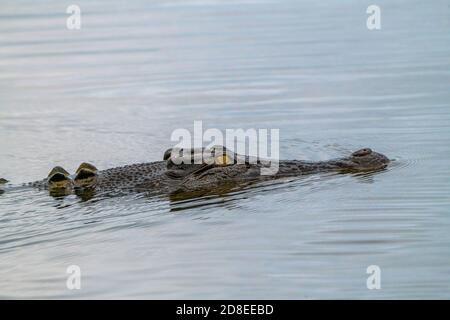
(113, 92)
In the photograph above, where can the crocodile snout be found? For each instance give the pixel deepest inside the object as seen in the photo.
(362, 152)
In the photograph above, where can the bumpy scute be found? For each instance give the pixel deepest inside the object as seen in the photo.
(58, 178)
(86, 175)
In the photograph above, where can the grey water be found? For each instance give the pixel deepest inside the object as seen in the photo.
(112, 93)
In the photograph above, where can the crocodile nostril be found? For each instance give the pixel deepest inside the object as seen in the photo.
(362, 152)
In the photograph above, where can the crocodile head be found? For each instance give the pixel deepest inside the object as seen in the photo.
(227, 174)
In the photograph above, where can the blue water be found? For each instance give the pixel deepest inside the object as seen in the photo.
(113, 92)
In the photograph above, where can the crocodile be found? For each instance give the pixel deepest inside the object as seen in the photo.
(193, 170)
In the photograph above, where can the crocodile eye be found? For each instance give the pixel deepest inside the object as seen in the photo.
(362, 152)
(223, 160)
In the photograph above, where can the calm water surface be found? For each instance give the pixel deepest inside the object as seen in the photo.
(113, 92)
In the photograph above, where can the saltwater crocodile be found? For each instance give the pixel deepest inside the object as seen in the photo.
(192, 170)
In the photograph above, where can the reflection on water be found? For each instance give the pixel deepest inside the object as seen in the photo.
(113, 92)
